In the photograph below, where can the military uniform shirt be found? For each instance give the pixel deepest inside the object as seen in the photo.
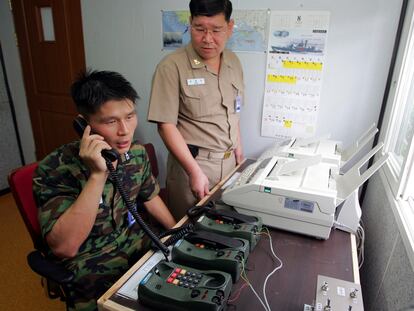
(201, 103)
(61, 177)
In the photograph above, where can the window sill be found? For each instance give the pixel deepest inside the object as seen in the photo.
(404, 216)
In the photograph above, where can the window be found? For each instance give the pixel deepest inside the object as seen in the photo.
(397, 133)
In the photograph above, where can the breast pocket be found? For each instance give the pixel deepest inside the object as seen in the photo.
(194, 101)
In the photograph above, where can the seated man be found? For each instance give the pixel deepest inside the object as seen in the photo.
(83, 218)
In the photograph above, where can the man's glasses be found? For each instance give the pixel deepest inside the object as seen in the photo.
(216, 32)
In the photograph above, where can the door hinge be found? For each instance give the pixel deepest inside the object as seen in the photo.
(15, 39)
(10, 5)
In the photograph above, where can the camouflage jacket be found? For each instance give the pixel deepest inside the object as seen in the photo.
(61, 176)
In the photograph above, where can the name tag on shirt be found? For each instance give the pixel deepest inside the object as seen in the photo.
(131, 219)
(197, 81)
(237, 103)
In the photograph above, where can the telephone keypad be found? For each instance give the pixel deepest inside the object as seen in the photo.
(184, 278)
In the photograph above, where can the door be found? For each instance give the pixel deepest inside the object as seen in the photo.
(50, 41)
(9, 139)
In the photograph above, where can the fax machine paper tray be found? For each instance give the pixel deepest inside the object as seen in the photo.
(346, 184)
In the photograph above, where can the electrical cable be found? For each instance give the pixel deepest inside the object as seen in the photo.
(237, 293)
(179, 234)
(360, 245)
(252, 288)
(274, 270)
(360, 239)
(187, 227)
(196, 210)
(114, 176)
(265, 304)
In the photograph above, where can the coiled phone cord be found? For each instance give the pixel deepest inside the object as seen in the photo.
(196, 210)
(132, 210)
(178, 234)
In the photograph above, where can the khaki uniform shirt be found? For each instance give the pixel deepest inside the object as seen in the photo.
(201, 103)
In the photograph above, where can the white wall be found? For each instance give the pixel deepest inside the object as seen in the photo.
(15, 78)
(126, 37)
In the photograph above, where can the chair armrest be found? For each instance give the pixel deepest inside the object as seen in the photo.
(49, 269)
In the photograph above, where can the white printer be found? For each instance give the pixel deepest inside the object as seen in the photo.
(299, 189)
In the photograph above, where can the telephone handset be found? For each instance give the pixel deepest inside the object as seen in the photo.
(79, 124)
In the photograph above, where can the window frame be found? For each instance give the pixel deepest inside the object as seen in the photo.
(403, 76)
(398, 179)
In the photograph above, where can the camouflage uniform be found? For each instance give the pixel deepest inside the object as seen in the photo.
(112, 245)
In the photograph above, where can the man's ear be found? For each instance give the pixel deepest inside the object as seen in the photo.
(230, 27)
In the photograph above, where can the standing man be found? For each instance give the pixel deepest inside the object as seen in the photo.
(196, 98)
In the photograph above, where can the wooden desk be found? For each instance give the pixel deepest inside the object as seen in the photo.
(289, 288)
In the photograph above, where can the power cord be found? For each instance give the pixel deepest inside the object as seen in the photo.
(274, 270)
(264, 303)
(360, 239)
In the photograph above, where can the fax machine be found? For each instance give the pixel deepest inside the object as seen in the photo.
(301, 193)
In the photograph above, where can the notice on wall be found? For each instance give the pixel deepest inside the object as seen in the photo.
(295, 63)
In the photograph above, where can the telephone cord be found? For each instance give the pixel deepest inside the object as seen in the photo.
(274, 270)
(265, 304)
(134, 212)
(179, 234)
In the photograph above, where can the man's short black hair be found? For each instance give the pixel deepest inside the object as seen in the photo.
(211, 8)
(94, 88)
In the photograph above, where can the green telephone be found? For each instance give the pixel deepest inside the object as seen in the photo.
(173, 287)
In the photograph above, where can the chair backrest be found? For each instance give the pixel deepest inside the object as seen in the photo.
(153, 158)
(20, 181)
